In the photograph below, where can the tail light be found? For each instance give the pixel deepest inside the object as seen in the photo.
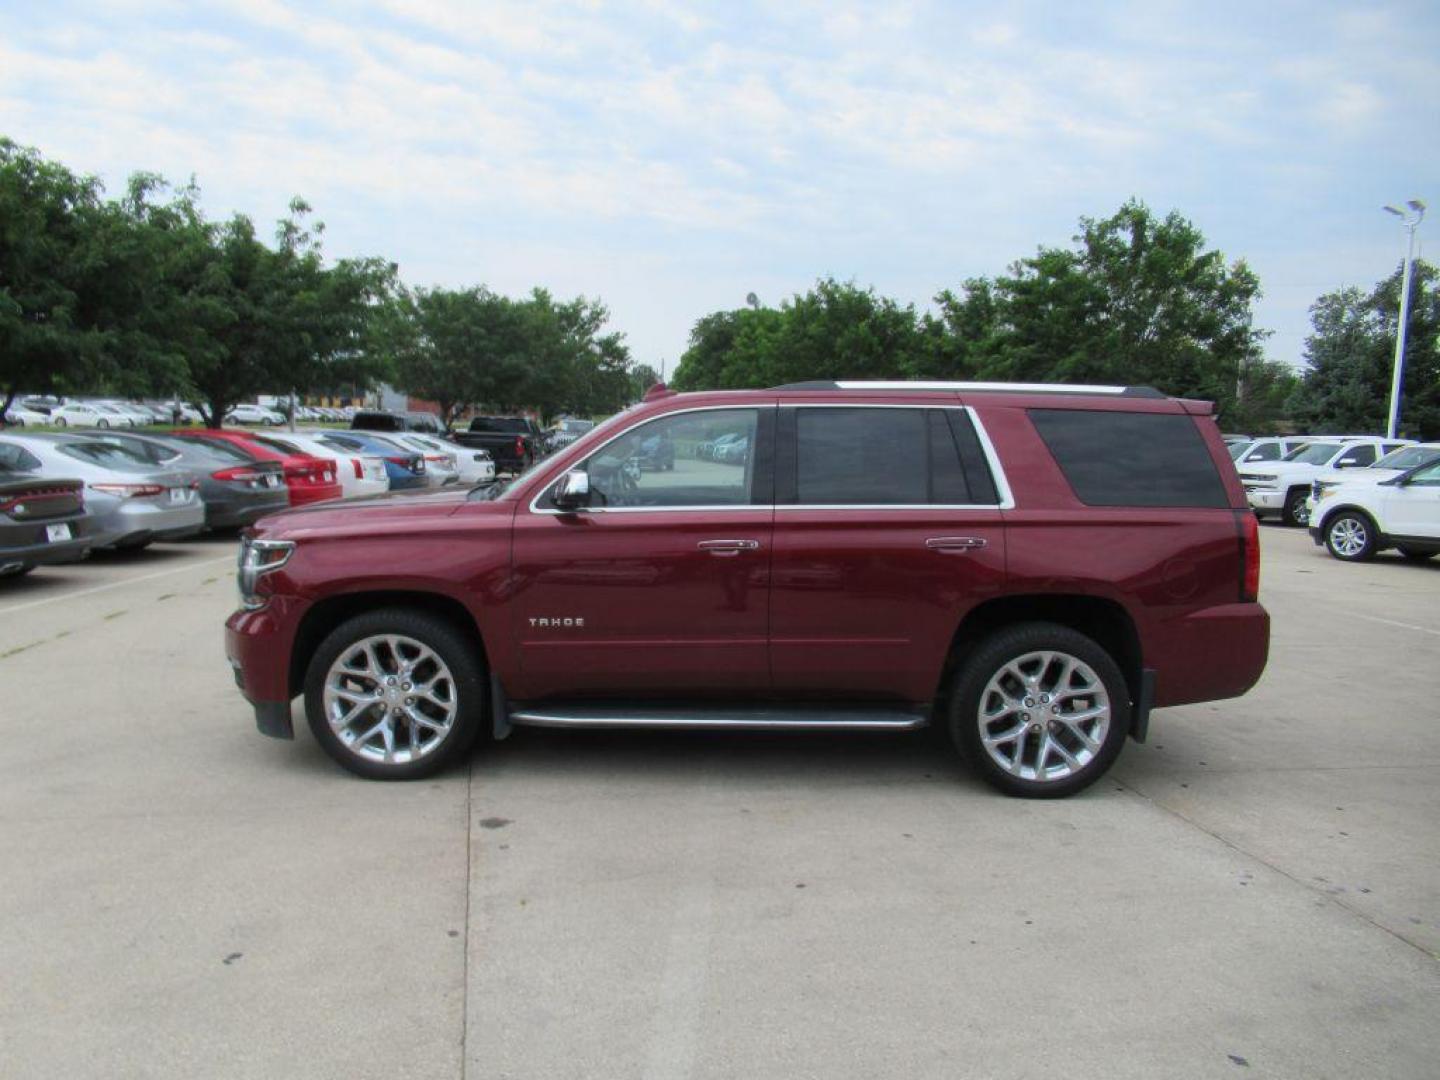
(1249, 557)
(17, 503)
(129, 491)
(519, 447)
(359, 469)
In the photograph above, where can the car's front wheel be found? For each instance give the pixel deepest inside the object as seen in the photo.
(1296, 512)
(1350, 536)
(1040, 710)
(60, 421)
(395, 694)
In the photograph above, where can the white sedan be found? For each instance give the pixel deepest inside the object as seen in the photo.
(359, 474)
(90, 414)
(254, 414)
(471, 465)
(18, 416)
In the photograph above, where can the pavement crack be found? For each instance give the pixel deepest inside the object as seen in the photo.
(1308, 886)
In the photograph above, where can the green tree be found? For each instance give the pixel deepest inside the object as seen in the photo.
(1139, 299)
(1350, 358)
(835, 331)
(54, 322)
(268, 320)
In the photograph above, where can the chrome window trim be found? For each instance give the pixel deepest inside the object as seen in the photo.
(992, 459)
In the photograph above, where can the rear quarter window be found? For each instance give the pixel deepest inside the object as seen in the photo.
(1131, 459)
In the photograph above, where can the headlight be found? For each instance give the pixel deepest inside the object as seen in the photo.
(1258, 478)
(258, 558)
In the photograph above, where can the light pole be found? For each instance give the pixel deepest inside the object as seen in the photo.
(1411, 219)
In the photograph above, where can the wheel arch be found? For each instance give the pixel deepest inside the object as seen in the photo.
(325, 615)
(1105, 621)
(1335, 511)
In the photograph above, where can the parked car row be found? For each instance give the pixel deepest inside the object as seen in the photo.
(105, 414)
(1277, 473)
(66, 493)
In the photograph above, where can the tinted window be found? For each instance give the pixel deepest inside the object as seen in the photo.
(376, 422)
(17, 458)
(1131, 459)
(861, 457)
(509, 425)
(1264, 452)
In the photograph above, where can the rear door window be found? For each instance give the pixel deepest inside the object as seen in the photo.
(1131, 459)
(863, 456)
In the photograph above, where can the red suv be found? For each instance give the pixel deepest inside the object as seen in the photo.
(1035, 567)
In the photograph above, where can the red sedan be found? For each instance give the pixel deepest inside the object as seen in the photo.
(308, 479)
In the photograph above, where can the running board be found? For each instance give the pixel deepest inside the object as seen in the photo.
(718, 718)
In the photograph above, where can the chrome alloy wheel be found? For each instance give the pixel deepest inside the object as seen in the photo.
(1044, 716)
(1348, 536)
(390, 699)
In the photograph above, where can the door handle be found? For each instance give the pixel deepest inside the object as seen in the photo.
(955, 543)
(727, 548)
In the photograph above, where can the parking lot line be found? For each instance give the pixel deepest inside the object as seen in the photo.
(115, 585)
(1402, 625)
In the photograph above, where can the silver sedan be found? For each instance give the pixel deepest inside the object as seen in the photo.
(133, 502)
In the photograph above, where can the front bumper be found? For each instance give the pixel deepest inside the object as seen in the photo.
(258, 645)
(1266, 500)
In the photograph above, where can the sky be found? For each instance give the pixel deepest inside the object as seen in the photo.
(669, 159)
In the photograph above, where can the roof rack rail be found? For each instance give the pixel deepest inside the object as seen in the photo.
(973, 387)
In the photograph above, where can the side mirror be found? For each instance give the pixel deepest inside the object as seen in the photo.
(573, 492)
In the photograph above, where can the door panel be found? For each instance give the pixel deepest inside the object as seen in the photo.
(662, 586)
(642, 603)
(1414, 510)
(864, 603)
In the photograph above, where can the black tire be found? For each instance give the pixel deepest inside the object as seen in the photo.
(458, 654)
(60, 421)
(1350, 536)
(1295, 512)
(988, 660)
(1416, 554)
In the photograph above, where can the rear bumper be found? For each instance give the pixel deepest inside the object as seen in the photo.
(229, 513)
(1214, 653)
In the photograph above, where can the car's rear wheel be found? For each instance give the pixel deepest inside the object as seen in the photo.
(61, 422)
(1040, 710)
(1350, 536)
(395, 694)
(1296, 512)
(1417, 554)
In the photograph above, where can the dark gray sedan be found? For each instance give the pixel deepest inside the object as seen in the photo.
(42, 522)
(237, 488)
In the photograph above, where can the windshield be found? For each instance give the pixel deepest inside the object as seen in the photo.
(1236, 449)
(1315, 453)
(1407, 457)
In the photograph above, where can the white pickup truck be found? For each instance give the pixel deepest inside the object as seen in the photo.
(1282, 487)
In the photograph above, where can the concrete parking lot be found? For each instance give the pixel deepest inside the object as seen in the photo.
(1255, 892)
